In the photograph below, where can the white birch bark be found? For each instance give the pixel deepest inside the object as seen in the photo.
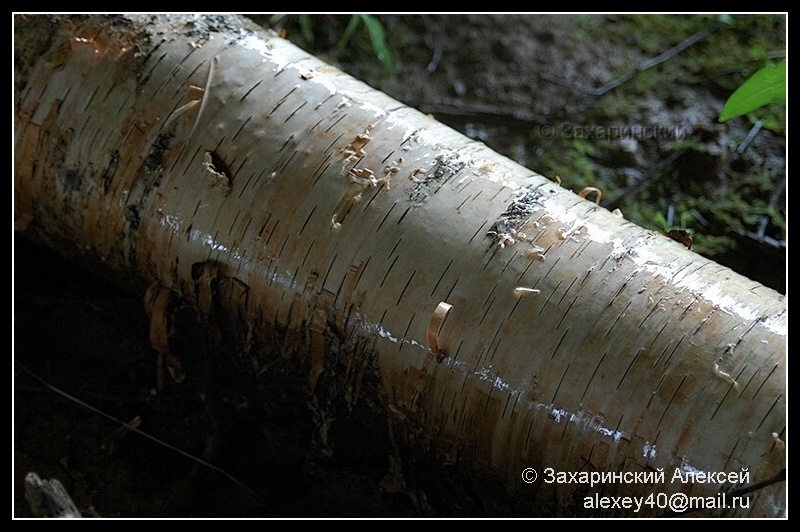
(508, 323)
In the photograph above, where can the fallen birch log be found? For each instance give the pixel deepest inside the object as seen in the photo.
(501, 323)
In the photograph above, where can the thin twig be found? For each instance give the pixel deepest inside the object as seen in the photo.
(128, 426)
(762, 225)
(657, 170)
(750, 136)
(650, 63)
(437, 49)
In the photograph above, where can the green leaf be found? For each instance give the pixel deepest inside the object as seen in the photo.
(378, 38)
(305, 28)
(766, 86)
(348, 31)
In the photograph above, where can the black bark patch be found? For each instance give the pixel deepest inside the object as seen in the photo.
(70, 179)
(155, 158)
(110, 171)
(445, 167)
(519, 210)
(133, 216)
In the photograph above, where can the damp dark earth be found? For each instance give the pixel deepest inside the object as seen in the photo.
(627, 104)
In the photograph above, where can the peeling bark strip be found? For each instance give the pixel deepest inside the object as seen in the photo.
(574, 341)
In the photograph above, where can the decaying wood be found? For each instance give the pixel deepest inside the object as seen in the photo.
(49, 498)
(500, 321)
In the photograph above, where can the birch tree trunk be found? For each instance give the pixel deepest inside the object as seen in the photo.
(502, 323)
